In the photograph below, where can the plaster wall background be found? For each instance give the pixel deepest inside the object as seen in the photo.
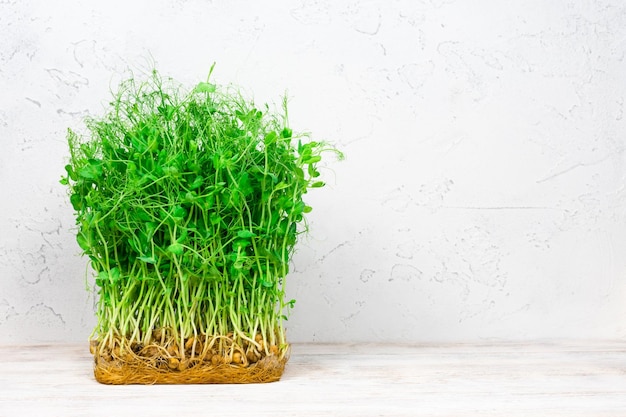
(483, 192)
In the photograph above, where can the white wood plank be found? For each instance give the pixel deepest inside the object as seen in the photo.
(504, 379)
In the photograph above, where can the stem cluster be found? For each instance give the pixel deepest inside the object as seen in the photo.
(189, 205)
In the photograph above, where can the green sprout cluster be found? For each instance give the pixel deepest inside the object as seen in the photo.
(189, 204)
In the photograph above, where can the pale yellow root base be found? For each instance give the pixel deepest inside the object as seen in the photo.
(137, 371)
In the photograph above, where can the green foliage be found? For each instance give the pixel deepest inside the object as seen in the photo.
(188, 205)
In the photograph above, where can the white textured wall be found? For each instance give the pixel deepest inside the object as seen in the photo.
(483, 192)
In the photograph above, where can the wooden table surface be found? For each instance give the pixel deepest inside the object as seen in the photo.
(491, 379)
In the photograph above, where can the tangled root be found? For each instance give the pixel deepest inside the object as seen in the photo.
(196, 363)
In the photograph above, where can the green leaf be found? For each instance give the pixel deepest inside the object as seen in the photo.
(197, 182)
(175, 248)
(151, 228)
(245, 234)
(299, 173)
(318, 184)
(270, 138)
(115, 274)
(167, 111)
(70, 172)
(208, 202)
(245, 185)
(91, 171)
(147, 259)
(205, 88)
(313, 173)
(191, 197)
(183, 237)
(215, 219)
(82, 242)
(240, 244)
(179, 213)
(312, 159)
(299, 208)
(171, 171)
(286, 133)
(142, 215)
(281, 186)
